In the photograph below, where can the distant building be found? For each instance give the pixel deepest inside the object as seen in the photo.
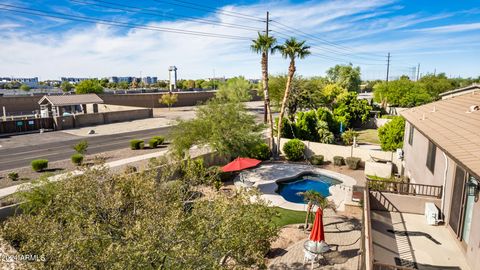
(32, 82)
(149, 80)
(121, 79)
(73, 80)
(52, 83)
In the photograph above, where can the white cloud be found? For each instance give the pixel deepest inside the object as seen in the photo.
(451, 28)
(98, 50)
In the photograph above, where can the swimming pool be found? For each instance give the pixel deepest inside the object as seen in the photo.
(290, 188)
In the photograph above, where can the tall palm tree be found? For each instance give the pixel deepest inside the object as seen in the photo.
(263, 45)
(291, 49)
(313, 198)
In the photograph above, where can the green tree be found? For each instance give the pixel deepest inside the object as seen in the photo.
(190, 84)
(225, 127)
(391, 134)
(81, 147)
(331, 93)
(291, 49)
(324, 134)
(403, 93)
(25, 87)
(123, 85)
(350, 110)
(145, 220)
(264, 45)
(169, 99)
(89, 87)
(236, 89)
(346, 76)
(66, 86)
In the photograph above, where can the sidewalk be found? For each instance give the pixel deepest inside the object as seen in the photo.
(10, 190)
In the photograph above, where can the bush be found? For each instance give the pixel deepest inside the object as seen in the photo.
(81, 147)
(260, 151)
(391, 134)
(153, 143)
(136, 144)
(316, 159)
(39, 165)
(160, 139)
(77, 159)
(353, 162)
(129, 169)
(294, 149)
(347, 136)
(338, 161)
(13, 176)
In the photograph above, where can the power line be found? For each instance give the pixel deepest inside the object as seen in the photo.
(329, 43)
(199, 7)
(70, 17)
(140, 10)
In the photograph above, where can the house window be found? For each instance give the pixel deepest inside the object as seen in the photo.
(432, 152)
(410, 134)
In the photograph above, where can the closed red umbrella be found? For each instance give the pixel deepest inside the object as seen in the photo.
(318, 234)
(240, 163)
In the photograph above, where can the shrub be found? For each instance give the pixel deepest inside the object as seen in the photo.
(160, 139)
(316, 159)
(353, 162)
(260, 151)
(77, 159)
(347, 136)
(136, 144)
(129, 169)
(39, 165)
(391, 134)
(338, 161)
(153, 143)
(81, 147)
(294, 149)
(13, 176)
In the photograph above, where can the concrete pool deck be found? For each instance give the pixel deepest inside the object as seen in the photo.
(266, 176)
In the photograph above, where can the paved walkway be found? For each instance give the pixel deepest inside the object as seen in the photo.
(266, 176)
(10, 190)
(341, 233)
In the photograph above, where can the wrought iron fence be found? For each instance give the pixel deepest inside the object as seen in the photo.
(405, 188)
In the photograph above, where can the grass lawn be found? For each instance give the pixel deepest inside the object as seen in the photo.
(368, 136)
(286, 217)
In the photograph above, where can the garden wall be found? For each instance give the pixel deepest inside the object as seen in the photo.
(331, 150)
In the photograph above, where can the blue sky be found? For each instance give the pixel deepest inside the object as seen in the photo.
(443, 36)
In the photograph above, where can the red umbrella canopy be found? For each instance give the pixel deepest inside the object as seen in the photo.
(317, 234)
(240, 163)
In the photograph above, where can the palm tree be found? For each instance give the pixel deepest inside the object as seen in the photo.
(263, 45)
(291, 49)
(313, 198)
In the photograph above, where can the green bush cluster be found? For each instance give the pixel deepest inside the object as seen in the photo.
(260, 151)
(391, 134)
(294, 149)
(338, 161)
(315, 126)
(316, 159)
(159, 139)
(39, 165)
(136, 144)
(77, 159)
(13, 176)
(353, 162)
(153, 143)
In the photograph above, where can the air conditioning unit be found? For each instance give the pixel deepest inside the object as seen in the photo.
(432, 214)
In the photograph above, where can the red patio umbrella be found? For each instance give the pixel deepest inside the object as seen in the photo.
(240, 163)
(317, 234)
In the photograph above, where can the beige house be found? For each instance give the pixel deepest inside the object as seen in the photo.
(442, 148)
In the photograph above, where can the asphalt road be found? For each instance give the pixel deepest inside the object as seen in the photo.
(53, 151)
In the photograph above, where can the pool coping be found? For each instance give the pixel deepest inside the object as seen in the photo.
(340, 193)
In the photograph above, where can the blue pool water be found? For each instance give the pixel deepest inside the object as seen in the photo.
(289, 189)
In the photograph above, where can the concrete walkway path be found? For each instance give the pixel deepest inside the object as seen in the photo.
(117, 163)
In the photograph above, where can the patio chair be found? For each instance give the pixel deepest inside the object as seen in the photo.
(309, 257)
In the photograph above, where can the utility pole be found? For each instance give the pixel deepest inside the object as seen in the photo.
(265, 119)
(388, 65)
(418, 72)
